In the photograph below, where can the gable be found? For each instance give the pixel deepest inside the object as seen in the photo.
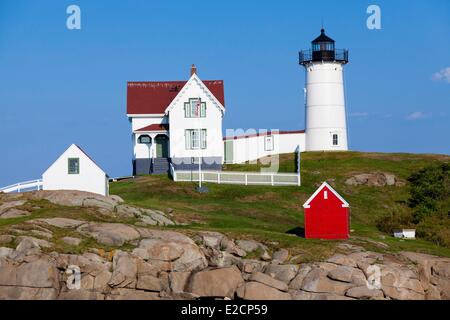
(155, 97)
(74, 151)
(331, 192)
(192, 82)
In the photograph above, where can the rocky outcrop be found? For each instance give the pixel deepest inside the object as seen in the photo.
(171, 265)
(9, 209)
(376, 179)
(112, 205)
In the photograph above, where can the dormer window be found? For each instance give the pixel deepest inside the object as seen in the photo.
(195, 108)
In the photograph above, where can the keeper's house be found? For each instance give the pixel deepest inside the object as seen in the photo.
(178, 122)
(75, 170)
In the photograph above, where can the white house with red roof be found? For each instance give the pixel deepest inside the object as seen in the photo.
(75, 170)
(178, 122)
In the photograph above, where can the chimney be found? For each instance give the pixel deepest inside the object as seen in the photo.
(193, 69)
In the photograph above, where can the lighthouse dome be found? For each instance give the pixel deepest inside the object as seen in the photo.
(323, 38)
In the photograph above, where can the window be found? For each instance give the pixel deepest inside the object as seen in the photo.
(195, 108)
(335, 140)
(145, 139)
(74, 166)
(268, 143)
(195, 139)
(325, 195)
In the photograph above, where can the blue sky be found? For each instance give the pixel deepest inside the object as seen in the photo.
(60, 86)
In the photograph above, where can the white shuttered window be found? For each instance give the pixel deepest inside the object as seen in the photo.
(195, 139)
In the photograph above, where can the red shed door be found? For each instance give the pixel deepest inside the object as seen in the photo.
(326, 217)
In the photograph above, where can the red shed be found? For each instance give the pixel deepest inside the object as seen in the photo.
(327, 215)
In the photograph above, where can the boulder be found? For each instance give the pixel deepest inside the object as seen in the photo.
(347, 274)
(10, 204)
(117, 199)
(27, 293)
(112, 234)
(71, 241)
(268, 280)
(30, 245)
(441, 269)
(251, 266)
(170, 236)
(397, 293)
(100, 202)
(192, 259)
(250, 245)
(6, 238)
(43, 234)
(154, 217)
(317, 281)
(77, 198)
(211, 239)
(158, 249)
(280, 256)
(124, 271)
(171, 251)
(216, 283)
(148, 282)
(341, 259)
(297, 282)
(257, 291)
(127, 211)
(285, 272)
(178, 281)
(5, 252)
(60, 222)
(231, 247)
(363, 292)
(14, 213)
(377, 179)
(101, 280)
(8, 273)
(40, 273)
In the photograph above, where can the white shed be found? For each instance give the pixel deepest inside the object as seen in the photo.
(405, 233)
(75, 170)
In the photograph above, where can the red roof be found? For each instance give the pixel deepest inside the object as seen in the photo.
(155, 97)
(154, 127)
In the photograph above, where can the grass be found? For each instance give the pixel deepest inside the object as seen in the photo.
(273, 214)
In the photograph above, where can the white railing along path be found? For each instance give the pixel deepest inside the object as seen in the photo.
(23, 186)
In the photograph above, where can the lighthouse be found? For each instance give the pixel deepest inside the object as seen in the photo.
(326, 125)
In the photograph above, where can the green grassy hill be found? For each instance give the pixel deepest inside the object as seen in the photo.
(275, 214)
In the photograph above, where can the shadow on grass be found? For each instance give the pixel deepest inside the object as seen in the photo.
(298, 231)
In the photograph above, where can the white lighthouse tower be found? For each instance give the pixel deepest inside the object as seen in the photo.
(326, 125)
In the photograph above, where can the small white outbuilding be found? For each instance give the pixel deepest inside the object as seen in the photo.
(405, 233)
(75, 170)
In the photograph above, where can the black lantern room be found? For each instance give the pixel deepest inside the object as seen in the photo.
(323, 49)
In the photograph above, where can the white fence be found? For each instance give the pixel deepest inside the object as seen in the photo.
(23, 186)
(243, 178)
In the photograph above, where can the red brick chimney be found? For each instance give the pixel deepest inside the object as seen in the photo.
(193, 69)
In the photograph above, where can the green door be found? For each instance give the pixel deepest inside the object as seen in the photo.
(228, 151)
(162, 146)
